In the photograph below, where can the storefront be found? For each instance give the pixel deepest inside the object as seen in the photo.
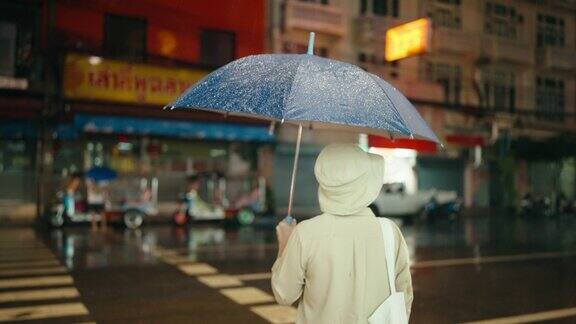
(17, 161)
(19, 111)
(116, 120)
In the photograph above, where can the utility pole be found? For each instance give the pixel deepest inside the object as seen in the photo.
(44, 153)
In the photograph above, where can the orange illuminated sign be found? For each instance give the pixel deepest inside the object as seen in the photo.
(408, 39)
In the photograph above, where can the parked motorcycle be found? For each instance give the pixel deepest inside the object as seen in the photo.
(241, 210)
(434, 210)
(531, 206)
(136, 203)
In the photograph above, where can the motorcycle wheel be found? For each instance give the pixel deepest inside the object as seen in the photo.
(179, 219)
(133, 218)
(245, 216)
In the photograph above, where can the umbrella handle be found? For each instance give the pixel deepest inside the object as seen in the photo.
(294, 169)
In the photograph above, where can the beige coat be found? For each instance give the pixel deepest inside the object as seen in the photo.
(334, 264)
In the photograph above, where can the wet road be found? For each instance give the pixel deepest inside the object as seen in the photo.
(478, 268)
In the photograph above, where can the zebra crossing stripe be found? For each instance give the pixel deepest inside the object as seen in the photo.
(276, 314)
(220, 281)
(254, 276)
(38, 294)
(23, 258)
(179, 259)
(247, 295)
(13, 251)
(531, 318)
(29, 264)
(32, 271)
(42, 311)
(36, 281)
(197, 269)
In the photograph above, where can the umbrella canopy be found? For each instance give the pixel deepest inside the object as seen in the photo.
(308, 90)
(101, 174)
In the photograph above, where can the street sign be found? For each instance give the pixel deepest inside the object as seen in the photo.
(96, 78)
(13, 83)
(409, 39)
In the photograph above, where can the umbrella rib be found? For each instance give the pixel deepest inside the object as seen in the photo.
(393, 106)
(300, 60)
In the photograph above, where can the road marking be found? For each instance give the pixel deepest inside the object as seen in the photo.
(445, 262)
(255, 276)
(197, 269)
(247, 295)
(36, 281)
(19, 258)
(530, 318)
(26, 264)
(21, 249)
(22, 246)
(43, 311)
(222, 248)
(220, 281)
(40, 294)
(32, 271)
(276, 314)
(164, 253)
(179, 259)
(491, 259)
(21, 255)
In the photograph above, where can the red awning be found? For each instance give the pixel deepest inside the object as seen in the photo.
(419, 145)
(465, 140)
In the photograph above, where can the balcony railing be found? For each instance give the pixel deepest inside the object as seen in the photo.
(373, 28)
(455, 41)
(327, 19)
(507, 51)
(558, 58)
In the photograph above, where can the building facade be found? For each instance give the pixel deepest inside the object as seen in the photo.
(496, 74)
(105, 71)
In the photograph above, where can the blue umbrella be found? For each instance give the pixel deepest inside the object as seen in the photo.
(309, 91)
(101, 174)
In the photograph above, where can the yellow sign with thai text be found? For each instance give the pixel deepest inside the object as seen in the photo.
(408, 39)
(96, 78)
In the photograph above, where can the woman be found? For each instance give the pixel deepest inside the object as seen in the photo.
(334, 263)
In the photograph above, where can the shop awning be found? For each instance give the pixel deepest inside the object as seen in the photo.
(17, 130)
(419, 145)
(465, 140)
(29, 130)
(173, 128)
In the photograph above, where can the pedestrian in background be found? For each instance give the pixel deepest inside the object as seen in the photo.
(335, 264)
(96, 199)
(70, 192)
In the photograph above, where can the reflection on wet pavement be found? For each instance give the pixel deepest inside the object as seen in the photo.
(477, 268)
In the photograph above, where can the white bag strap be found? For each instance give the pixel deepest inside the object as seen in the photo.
(390, 249)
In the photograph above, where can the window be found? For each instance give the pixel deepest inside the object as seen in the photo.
(298, 48)
(550, 97)
(125, 37)
(498, 90)
(217, 47)
(316, 1)
(446, 13)
(19, 27)
(7, 48)
(447, 75)
(381, 7)
(550, 31)
(501, 20)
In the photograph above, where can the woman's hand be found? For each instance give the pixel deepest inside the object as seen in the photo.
(283, 232)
